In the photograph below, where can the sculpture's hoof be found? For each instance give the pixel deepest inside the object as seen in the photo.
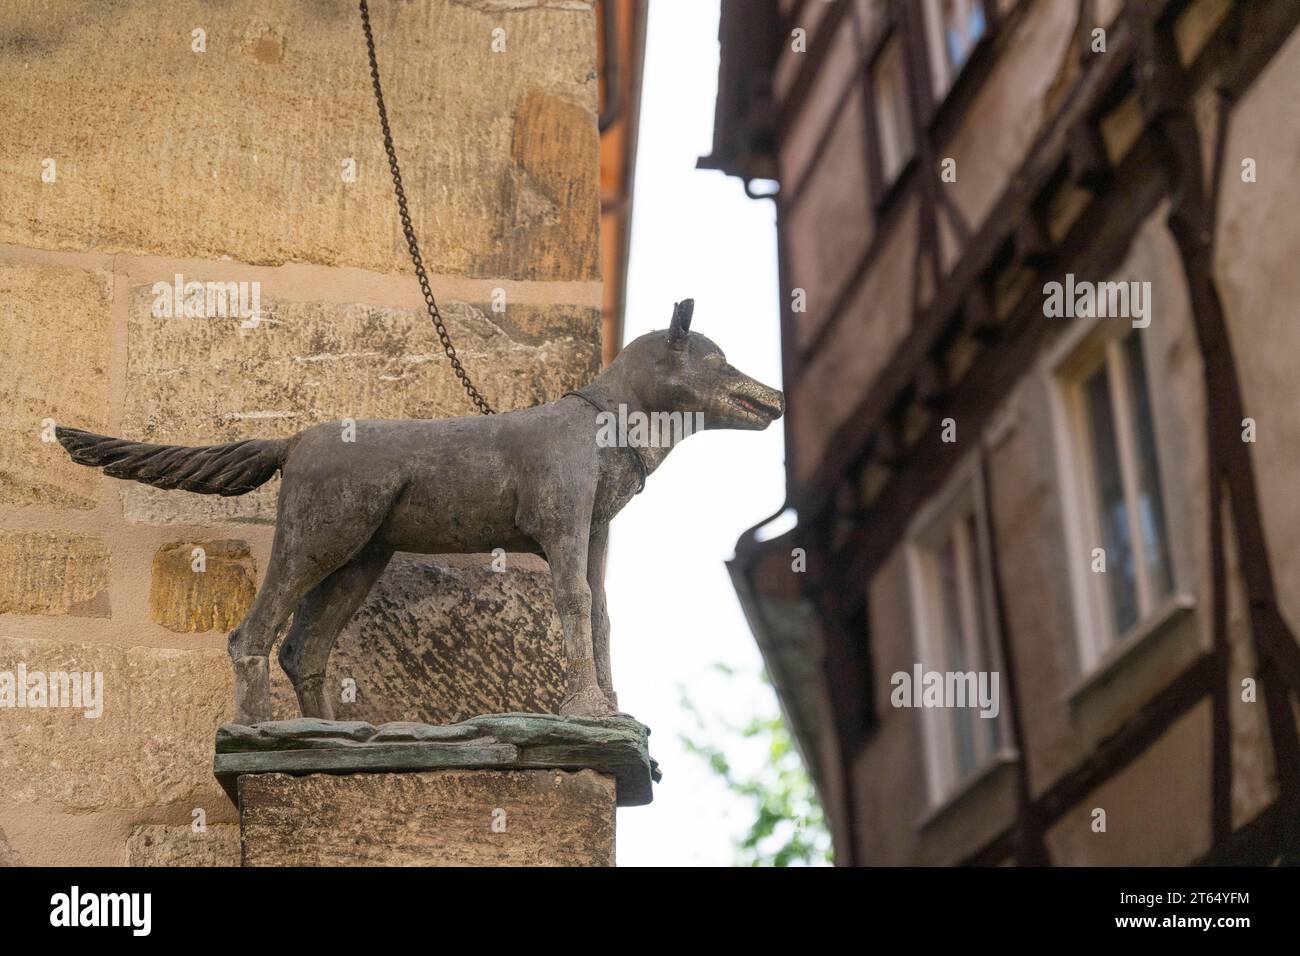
(588, 702)
(313, 699)
(252, 691)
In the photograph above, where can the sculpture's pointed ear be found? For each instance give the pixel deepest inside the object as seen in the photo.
(680, 327)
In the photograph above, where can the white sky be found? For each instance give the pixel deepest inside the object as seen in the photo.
(673, 611)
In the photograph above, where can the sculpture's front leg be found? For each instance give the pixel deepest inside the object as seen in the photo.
(567, 555)
(564, 535)
(599, 614)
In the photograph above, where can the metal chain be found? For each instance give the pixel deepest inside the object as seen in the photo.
(409, 231)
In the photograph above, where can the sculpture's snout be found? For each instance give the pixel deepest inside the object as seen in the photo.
(778, 398)
(759, 404)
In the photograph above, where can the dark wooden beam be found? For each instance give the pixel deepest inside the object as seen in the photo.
(888, 447)
(1089, 165)
(1033, 246)
(1043, 160)
(978, 317)
(1257, 843)
(1165, 92)
(1096, 245)
(932, 387)
(1029, 842)
(819, 47)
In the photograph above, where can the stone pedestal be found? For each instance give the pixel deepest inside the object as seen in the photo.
(502, 789)
(436, 818)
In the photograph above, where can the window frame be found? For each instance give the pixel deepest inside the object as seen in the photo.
(942, 75)
(962, 498)
(1093, 343)
(891, 41)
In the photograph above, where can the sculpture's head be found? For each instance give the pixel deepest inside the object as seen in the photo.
(688, 373)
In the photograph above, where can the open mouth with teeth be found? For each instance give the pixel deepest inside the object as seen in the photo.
(758, 409)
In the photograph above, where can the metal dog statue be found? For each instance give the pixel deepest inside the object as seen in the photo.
(536, 481)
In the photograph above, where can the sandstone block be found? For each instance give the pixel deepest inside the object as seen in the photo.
(7, 855)
(202, 585)
(437, 818)
(59, 755)
(440, 644)
(150, 746)
(154, 506)
(54, 353)
(207, 380)
(48, 572)
(551, 205)
(192, 177)
(177, 699)
(159, 845)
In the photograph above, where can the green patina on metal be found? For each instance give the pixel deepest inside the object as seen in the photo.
(616, 745)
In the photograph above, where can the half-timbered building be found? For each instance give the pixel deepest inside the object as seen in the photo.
(1040, 334)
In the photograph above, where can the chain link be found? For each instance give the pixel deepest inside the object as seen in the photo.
(409, 231)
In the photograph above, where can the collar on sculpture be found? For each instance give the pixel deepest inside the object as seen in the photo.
(643, 471)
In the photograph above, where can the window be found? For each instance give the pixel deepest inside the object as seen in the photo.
(893, 120)
(1112, 492)
(954, 628)
(953, 27)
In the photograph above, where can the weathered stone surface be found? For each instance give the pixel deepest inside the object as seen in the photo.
(160, 845)
(7, 855)
(46, 835)
(438, 818)
(176, 698)
(46, 572)
(58, 755)
(207, 380)
(613, 745)
(312, 362)
(498, 177)
(552, 208)
(439, 644)
(154, 506)
(469, 642)
(212, 599)
(54, 353)
(538, 324)
(150, 747)
(192, 177)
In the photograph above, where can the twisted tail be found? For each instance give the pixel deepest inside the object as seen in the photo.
(231, 469)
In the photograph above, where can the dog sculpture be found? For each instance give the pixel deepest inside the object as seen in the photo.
(536, 481)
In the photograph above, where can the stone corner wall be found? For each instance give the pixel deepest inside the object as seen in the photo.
(237, 147)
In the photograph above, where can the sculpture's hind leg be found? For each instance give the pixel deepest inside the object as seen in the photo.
(319, 618)
(288, 579)
(308, 547)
